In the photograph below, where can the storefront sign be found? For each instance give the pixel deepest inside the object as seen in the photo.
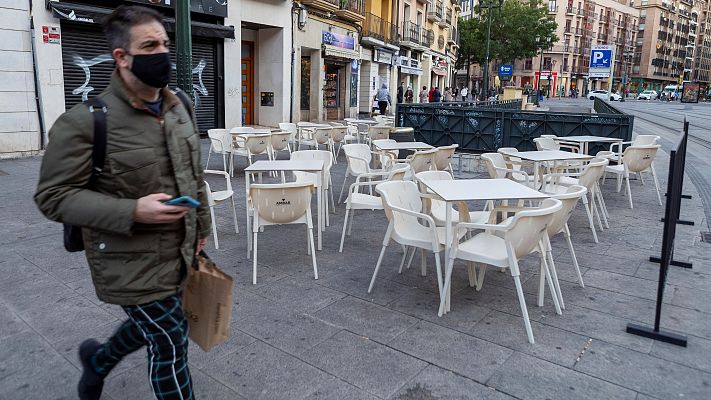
(337, 40)
(440, 68)
(381, 56)
(505, 70)
(211, 7)
(409, 66)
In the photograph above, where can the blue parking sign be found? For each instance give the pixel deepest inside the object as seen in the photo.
(601, 59)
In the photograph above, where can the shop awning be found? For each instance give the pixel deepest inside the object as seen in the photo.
(440, 72)
(95, 15)
(333, 51)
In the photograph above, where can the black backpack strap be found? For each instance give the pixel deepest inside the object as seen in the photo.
(188, 104)
(98, 108)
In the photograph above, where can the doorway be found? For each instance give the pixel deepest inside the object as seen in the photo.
(247, 72)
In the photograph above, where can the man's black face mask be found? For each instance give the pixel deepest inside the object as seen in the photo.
(152, 69)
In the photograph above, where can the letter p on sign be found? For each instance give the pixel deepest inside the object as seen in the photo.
(597, 57)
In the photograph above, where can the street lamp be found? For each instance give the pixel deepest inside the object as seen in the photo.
(489, 5)
(541, 44)
(626, 60)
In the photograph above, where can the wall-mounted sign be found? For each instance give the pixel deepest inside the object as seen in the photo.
(51, 34)
(267, 99)
(212, 7)
(383, 57)
(338, 40)
(505, 70)
(354, 66)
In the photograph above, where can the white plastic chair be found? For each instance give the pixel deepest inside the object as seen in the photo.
(357, 200)
(282, 204)
(438, 208)
(497, 168)
(220, 143)
(636, 159)
(310, 177)
(376, 132)
(253, 145)
(552, 142)
(559, 224)
(443, 157)
(588, 177)
(280, 142)
(338, 137)
(420, 161)
(218, 197)
(359, 157)
(408, 225)
(502, 245)
(316, 137)
(352, 136)
(292, 129)
(639, 140)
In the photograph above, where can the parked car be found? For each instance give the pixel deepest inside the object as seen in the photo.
(602, 94)
(647, 95)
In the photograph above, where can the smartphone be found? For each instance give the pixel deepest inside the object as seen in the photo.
(183, 201)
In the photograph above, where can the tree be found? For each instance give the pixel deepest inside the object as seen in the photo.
(513, 32)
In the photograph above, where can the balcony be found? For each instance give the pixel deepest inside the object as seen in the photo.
(428, 38)
(568, 30)
(376, 31)
(434, 13)
(453, 37)
(552, 9)
(323, 5)
(447, 20)
(411, 35)
(352, 10)
(570, 10)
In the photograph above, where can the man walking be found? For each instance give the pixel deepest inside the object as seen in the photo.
(464, 93)
(400, 92)
(137, 248)
(383, 98)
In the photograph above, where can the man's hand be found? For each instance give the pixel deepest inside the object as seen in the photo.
(151, 210)
(201, 245)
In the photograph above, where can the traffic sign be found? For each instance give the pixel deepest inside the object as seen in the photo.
(601, 58)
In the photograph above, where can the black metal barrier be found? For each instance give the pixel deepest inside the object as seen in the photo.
(677, 161)
(480, 127)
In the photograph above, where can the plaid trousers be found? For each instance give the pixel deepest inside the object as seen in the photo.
(162, 327)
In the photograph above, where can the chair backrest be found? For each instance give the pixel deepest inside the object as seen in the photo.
(443, 156)
(605, 154)
(645, 140)
(422, 160)
(493, 161)
(280, 140)
(288, 127)
(358, 156)
(322, 134)
(437, 207)
(322, 155)
(568, 200)
(257, 143)
(280, 203)
(639, 158)
(353, 130)
(401, 194)
(546, 143)
(528, 226)
(398, 171)
(338, 133)
(220, 139)
(592, 172)
(508, 152)
(378, 132)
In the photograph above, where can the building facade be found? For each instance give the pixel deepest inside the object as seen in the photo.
(442, 19)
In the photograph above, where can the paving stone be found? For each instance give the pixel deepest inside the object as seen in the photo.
(356, 282)
(260, 371)
(619, 263)
(35, 293)
(134, 384)
(11, 323)
(552, 344)
(335, 388)
(694, 355)
(642, 373)
(299, 294)
(31, 369)
(236, 341)
(695, 299)
(437, 383)
(422, 304)
(452, 350)
(531, 378)
(367, 319)
(365, 363)
(621, 283)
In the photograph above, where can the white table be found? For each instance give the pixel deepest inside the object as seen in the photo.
(546, 155)
(584, 141)
(363, 121)
(388, 146)
(316, 166)
(476, 189)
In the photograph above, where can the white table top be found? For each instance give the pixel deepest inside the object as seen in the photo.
(549, 155)
(363, 121)
(402, 146)
(583, 139)
(482, 189)
(312, 125)
(285, 165)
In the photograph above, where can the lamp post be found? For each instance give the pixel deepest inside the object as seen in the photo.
(183, 44)
(626, 60)
(490, 5)
(541, 45)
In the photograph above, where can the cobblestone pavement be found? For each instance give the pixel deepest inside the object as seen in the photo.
(294, 337)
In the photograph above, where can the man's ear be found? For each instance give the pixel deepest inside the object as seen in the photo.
(121, 57)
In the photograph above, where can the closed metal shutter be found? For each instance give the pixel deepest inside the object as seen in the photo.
(88, 66)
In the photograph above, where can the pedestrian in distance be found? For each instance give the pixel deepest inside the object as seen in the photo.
(409, 95)
(448, 97)
(401, 92)
(424, 95)
(383, 99)
(137, 247)
(436, 96)
(431, 94)
(464, 92)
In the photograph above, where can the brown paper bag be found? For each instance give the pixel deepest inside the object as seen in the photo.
(207, 303)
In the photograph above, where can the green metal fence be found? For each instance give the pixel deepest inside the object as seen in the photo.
(478, 127)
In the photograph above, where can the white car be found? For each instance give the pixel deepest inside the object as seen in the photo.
(602, 94)
(647, 95)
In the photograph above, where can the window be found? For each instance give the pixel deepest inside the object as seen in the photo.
(528, 64)
(552, 6)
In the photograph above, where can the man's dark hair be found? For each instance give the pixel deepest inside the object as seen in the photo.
(117, 26)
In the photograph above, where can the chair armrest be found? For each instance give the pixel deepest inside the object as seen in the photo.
(473, 226)
(372, 174)
(430, 220)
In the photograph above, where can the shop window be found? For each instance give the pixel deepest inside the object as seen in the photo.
(305, 83)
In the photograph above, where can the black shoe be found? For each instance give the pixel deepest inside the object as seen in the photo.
(91, 384)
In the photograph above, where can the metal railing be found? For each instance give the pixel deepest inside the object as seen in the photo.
(356, 6)
(411, 33)
(428, 37)
(379, 29)
(485, 127)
